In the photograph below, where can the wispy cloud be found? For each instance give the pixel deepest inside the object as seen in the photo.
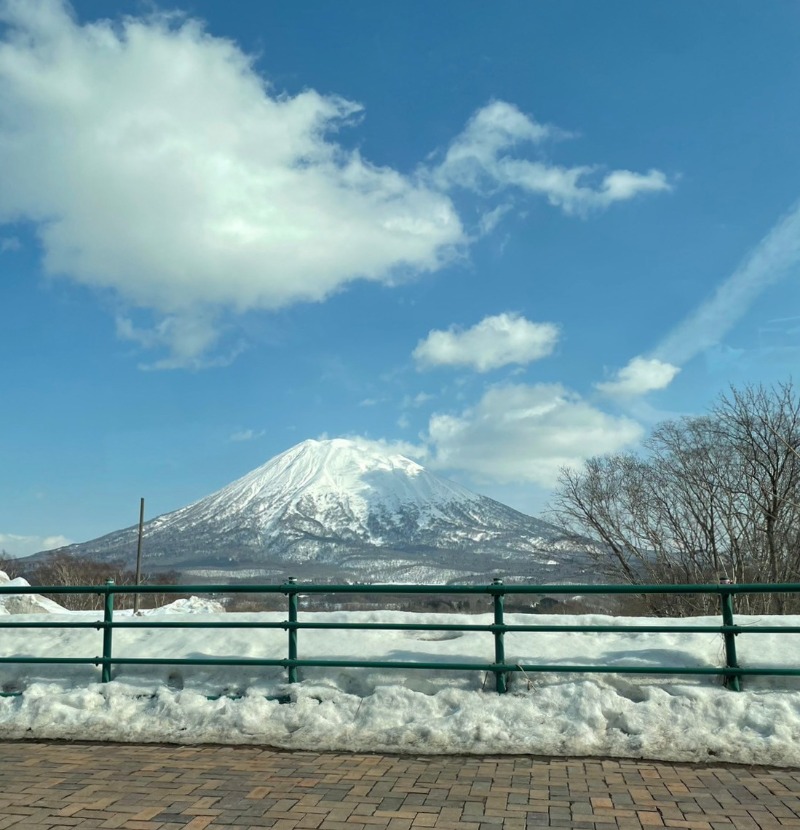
(189, 339)
(780, 333)
(418, 400)
(493, 342)
(417, 452)
(9, 243)
(771, 260)
(482, 159)
(246, 435)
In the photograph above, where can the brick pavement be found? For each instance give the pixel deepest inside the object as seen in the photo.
(149, 787)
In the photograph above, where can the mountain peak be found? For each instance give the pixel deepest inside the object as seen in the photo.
(348, 453)
(355, 476)
(346, 508)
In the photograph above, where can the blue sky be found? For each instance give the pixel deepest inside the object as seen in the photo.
(498, 237)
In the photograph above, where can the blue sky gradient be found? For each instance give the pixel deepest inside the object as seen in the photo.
(499, 237)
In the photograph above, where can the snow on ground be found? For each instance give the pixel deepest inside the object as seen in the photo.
(414, 711)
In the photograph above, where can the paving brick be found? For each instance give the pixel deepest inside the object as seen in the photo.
(47, 786)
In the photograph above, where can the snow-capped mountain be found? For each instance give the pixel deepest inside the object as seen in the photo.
(341, 508)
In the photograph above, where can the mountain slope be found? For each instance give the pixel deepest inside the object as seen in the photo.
(340, 508)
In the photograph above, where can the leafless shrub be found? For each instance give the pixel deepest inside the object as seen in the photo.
(66, 570)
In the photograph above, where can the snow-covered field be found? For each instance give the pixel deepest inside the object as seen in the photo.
(656, 717)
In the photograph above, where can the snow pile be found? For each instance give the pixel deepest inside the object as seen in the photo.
(577, 717)
(192, 605)
(414, 711)
(25, 603)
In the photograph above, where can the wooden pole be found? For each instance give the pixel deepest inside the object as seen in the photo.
(139, 555)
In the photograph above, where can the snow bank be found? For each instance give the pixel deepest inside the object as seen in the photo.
(415, 711)
(25, 603)
(192, 605)
(576, 717)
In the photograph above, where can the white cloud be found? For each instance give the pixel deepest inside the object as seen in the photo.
(15, 545)
(479, 159)
(773, 258)
(641, 375)
(519, 433)
(157, 163)
(493, 342)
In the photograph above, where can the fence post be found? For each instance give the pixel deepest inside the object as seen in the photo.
(108, 620)
(732, 681)
(292, 630)
(499, 645)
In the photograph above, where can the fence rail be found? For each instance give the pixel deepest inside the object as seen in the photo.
(731, 672)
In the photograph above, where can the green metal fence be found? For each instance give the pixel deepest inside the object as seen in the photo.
(731, 672)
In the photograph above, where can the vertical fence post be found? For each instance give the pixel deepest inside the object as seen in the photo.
(499, 645)
(292, 630)
(732, 681)
(108, 620)
(139, 556)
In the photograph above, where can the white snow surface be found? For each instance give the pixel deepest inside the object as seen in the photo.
(342, 474)
(411, 711)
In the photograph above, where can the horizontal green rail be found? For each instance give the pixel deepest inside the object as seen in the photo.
(598, 629)
(388, 588)
(497, 591)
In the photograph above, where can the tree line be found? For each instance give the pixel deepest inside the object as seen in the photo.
(711, 498)
(65, 569)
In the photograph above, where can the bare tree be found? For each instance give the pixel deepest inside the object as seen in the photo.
(712, 497)
(64, 569)
(9, 565)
